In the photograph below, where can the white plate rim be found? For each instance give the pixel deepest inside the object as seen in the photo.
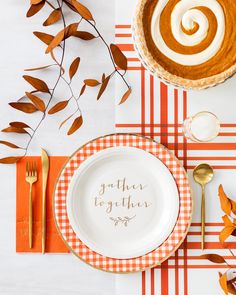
(87, 242)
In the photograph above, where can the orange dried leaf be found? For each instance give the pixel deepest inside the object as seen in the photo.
(233, 206)
(74, 67)
(227, 221)
(91, 82)
(234, 233)
(54, 17)
(215, 258)
(82, 90)
(68, 3)
(35, 9)
(62, 123)
(223, 283)
(103, 86)
(71, 29)
(40, 105)
(224, 201)
(58, 107)
(56, 41)
(75, 125)
(118, 56)
(19, 125)
(9, 144)
(84, 35)
(33, 2)
(39, 68)
(226, 232)
(38, 84)
(25, 107)
(9, 160)
(82, 10)
(231, 288)
(125, 96)
(14, 130)
(60, 36)
(45, 38)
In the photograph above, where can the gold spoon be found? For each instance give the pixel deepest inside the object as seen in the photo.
(203, 174)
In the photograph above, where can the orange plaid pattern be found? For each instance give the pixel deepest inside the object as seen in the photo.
(158, 110)
(123, 265)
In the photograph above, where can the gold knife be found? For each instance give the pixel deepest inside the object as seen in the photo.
(45, 169)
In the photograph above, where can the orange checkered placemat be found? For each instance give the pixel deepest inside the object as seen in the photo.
(123, 265)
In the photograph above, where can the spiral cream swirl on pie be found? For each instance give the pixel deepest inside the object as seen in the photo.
(192, 39)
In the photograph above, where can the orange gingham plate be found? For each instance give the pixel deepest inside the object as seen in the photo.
(123, 265)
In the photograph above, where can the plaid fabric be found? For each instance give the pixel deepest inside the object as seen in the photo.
(124, 265)
(158, 110)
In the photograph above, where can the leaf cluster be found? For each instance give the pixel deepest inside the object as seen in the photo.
(41, 97)
(228, 206)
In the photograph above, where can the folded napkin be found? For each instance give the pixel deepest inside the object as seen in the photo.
(54, 243)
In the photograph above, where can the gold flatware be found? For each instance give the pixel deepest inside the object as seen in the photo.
(45, 169)
(203, 174)
(31, 178)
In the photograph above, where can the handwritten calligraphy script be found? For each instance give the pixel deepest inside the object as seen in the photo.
(126, 200)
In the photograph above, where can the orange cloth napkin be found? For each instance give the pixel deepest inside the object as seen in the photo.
(54, 243)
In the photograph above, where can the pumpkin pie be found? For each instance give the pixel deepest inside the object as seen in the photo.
(189, 43)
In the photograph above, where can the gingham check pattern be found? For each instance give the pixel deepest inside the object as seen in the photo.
(123, 265)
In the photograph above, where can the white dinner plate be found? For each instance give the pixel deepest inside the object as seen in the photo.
(122, 202)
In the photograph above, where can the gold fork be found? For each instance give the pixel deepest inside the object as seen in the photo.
(31, 177)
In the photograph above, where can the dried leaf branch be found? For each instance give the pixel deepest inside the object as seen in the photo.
(228, 206)
(41, 98)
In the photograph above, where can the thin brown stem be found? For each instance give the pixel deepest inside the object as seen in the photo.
(72, 94)
(50, 4)
(55, 85)
(228, 265)
(110, 54)
(232, 253)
